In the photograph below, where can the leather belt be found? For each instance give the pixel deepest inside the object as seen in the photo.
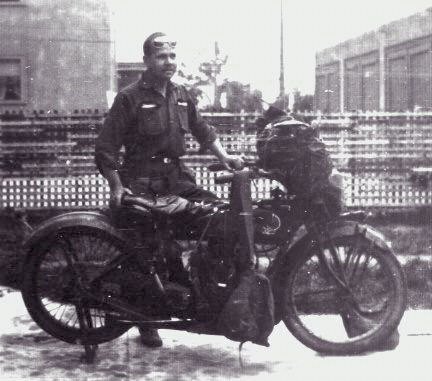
(164, 159)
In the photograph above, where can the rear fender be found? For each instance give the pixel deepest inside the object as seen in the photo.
(91, 219)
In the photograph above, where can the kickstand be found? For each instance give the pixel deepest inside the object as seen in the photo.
(89, 353)
(89, 349)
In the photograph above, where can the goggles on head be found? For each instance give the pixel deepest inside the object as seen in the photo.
(160, 42)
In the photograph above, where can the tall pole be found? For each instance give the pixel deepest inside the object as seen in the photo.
(216, 70)
(281, 74)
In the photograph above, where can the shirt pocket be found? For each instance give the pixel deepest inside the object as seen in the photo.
(149, 119)
(182, 111)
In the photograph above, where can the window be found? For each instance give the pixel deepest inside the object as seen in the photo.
(10, 80)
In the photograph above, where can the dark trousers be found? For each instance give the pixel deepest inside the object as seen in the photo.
(171, 179)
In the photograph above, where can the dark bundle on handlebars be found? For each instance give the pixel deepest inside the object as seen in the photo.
(293, 153)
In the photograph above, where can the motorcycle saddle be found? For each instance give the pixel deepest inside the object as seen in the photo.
(170, 205)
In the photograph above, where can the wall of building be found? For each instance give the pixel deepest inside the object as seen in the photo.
(327, 85)
(128, 72)
(389, 69)
(65, 51)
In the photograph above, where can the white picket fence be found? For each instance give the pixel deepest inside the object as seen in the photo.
(375, 152)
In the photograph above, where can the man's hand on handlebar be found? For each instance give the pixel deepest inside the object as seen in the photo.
(231, 162)
(116, 195)
(254, 171)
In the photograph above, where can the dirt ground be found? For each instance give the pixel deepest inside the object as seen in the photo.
(29, 353)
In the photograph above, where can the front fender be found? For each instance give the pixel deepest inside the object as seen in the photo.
(282, 264)
(91, 219)
(339, 228)
(336, 228)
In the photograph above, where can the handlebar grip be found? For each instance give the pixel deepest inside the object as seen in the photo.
(223, 179)
(249, 163)
(215, 167)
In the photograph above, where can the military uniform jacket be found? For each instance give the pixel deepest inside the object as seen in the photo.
(147, 124)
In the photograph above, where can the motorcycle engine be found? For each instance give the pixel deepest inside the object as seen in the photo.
(267, 223)
(125, 284)
(210, 264)
(140, 291)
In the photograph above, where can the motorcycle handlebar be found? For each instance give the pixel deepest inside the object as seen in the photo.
(223, 179)
(131, 199)
(127, 199)
(216, 167)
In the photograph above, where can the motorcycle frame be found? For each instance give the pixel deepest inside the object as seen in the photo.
(240, 209)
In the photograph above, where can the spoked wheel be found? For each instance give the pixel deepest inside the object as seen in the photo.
(346, 300)
(55, 276)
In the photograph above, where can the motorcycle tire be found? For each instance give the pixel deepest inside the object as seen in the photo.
(332, 319)
(50, 293)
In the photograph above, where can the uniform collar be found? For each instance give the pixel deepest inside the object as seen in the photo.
(147, 82)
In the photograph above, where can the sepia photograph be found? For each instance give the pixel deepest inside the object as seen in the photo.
(215, 190)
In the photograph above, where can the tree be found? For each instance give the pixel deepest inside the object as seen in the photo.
(282, 102)
(303, 103)
(192, 83)
(212, 69)
(240, 97)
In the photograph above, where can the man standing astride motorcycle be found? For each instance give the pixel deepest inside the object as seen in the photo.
(149, 119)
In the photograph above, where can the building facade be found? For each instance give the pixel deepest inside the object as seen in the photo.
(128, 72)
(389, 69)
(55, 55)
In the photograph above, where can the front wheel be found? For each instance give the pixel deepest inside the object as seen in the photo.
(53, 278)
(345, 297)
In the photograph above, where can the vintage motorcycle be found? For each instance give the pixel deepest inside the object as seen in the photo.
(91, 275)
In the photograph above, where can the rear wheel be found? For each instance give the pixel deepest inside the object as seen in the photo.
(54, 277)
(346, 300)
